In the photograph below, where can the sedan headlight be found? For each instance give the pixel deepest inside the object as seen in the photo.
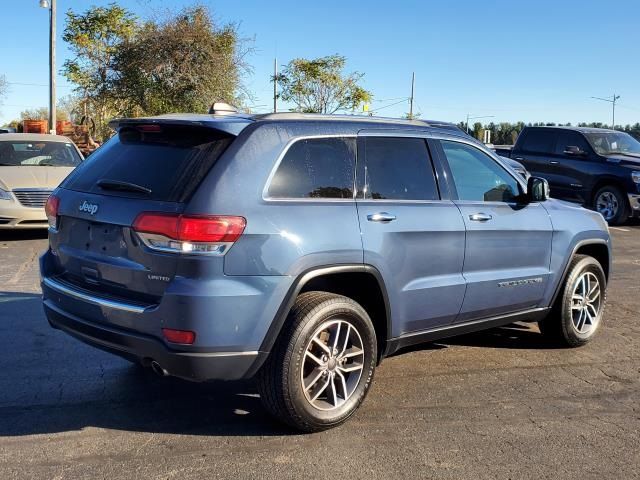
(635, 176)
(4, 195)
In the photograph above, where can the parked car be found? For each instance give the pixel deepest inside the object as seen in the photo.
(517, 166)
(31, 166)
(304, 249)
(595, 167)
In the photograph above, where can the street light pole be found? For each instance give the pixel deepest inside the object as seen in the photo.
(475, 118)
(612, 101)
(51, 6)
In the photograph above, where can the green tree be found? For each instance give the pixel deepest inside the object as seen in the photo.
(321, 86)
(42, 113)
(94, 37)
(181, 64)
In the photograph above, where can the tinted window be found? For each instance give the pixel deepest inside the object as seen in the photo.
(538, 140)
(171, 161)
(571, 139)
(398, 169)
(477, 176)
(316, 168)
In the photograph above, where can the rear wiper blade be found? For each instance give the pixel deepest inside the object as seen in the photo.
(106, 184)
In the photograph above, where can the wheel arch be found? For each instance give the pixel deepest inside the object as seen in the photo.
(596, 248)
(603, 181)
(354, 281)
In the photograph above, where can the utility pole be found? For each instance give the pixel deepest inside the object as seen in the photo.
(275, 84)
(51, 6)
(413, 81)
(612, 101)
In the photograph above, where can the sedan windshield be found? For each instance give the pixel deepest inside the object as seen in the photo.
(38, 153)
(608, 143)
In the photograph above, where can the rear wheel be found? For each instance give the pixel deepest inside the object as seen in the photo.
(611, 204)
(577, 314)
(323, 364)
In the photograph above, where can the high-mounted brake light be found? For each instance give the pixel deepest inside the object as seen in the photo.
(152, 128)
(51, 210)
(211, 235)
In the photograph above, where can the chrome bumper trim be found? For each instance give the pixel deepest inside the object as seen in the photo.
(102, 302)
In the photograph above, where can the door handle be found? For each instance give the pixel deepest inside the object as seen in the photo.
(554, 162)
(480, 217)
(382, 217)
(518, 159)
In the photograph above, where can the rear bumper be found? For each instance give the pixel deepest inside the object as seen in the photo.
(195, 366)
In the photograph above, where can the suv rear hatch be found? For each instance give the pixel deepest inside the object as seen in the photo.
(149, 166)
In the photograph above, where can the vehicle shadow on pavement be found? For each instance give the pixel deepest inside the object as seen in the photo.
(52, 383)
(513, 336)
(27, 234)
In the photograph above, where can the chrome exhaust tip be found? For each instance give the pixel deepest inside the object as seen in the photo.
(158, 370)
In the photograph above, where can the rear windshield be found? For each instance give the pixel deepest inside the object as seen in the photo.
(154, 162)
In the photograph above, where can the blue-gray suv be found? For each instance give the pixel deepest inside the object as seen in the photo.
(303, 249)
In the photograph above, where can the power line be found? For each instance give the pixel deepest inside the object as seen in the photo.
(37, 84)
(390, 105)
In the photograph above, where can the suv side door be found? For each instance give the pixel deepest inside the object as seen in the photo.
(508, 242)
(411, 231)
(534, 149)
(571, 172)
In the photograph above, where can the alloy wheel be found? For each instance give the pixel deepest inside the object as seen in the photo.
(586, 302)
(607, 205)
(333, 364)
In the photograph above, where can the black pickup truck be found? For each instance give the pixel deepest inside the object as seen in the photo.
(595, 167)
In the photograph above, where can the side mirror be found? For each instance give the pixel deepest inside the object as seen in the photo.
(537, 189)
(574, 151)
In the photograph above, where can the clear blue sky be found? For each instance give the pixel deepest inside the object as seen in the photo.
(531, 60)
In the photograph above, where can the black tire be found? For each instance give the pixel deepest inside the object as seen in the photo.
(559, 327)
(621, 213)
(280, 381)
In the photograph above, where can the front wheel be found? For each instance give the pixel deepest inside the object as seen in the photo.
(577, 314)
(323, 364)
(611, 204)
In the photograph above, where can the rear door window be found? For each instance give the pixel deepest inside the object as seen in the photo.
(316, 168)
(398, 168)
(539, 140)
(170, 161)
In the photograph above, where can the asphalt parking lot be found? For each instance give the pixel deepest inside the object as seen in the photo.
(499, 404)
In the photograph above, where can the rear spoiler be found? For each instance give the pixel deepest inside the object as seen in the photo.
(231, 124)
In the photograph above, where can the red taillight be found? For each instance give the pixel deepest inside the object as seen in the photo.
(193, 234)
(156, 223)
(51, 210)
(186, 337)
(210, 229)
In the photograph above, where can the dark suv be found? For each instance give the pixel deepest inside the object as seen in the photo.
(303, 249)
(595, 167)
